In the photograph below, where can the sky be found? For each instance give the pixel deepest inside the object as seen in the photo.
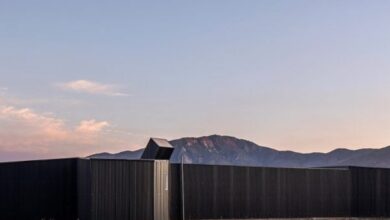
(80, 77)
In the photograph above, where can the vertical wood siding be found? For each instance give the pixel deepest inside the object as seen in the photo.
(371, 192)
(78, 189)
(38, 190)
(122, 189)
(213, 192)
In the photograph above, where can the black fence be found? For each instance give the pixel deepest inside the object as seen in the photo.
(214, 192)
(79, 189)
(39, 190)
(371, 192)
(122, 189)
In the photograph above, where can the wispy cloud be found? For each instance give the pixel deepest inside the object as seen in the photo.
(91, 126)
(24, 130)
(29, 134)
(91, 87)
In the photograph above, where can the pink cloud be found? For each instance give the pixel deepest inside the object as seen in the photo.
(24, 130)
(91, 87)
(50, 127)
(91, 126)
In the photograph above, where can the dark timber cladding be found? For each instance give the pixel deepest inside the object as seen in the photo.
(39, 190)
(98, 189)
(214, 192)
(127, 190)
(78, 189)
(122, 189)
(371, 192)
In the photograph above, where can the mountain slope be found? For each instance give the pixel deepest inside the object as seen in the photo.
(128, 155)
(216, 149)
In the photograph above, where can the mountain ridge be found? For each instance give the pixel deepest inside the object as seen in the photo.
(228, 150)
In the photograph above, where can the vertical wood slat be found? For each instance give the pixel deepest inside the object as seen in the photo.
(122, 189)
(45, 189)
(214, 192)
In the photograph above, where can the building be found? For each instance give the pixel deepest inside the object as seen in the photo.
(154, 189)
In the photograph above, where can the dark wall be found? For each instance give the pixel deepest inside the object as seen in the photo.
(122, 190)
(84, 191)
(70, 189)
(371, 192)
(253, 192)
(39, 190)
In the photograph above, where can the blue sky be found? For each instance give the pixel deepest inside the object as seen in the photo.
(293, 75)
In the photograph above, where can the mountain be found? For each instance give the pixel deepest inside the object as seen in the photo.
(127, 155)
(226, 150)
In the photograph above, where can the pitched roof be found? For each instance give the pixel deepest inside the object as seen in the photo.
(162, 142)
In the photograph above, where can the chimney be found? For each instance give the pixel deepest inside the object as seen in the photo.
(157, 149)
